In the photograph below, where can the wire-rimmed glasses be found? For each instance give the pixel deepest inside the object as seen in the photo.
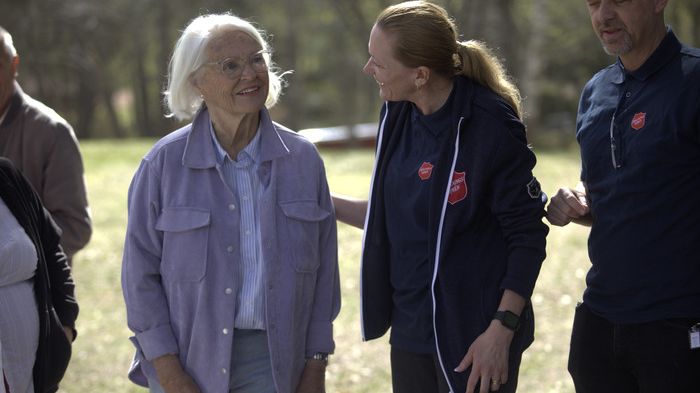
(232, 67)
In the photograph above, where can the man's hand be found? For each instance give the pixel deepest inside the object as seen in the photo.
(569, 205)
(172, 377)
(313, 380)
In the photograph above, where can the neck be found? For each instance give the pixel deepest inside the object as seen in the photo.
(433, 95)
(635, 59)
(233, 132)
(5, 101)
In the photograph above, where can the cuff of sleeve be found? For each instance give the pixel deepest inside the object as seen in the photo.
(319, 338)
(523, 269)
(157, 342)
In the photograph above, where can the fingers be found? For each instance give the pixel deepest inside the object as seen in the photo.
(466, 362)
(495, 385)
(566, 205)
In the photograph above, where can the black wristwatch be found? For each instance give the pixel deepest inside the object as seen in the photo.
(508, 319)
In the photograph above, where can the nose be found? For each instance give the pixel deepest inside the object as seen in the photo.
(367, 69)
(606, 11)
(248, 72)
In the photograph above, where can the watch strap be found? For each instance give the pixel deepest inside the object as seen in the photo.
(508, 319)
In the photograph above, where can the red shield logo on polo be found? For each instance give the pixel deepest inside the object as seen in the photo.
(425, 171)
(458, 188)
(639, 120)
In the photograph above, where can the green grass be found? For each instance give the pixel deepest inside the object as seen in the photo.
(103, 352)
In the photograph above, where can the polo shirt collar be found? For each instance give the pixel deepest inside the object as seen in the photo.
(664, 53)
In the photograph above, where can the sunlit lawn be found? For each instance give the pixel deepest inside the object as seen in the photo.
(103, 352)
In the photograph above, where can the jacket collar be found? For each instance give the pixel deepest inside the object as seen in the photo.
(200, 152)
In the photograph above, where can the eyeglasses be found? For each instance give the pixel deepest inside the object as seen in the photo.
(615, 150)
(233, 67)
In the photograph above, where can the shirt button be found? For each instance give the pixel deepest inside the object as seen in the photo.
(247, 231)
(224, 331)
(228, 291)
(628, 95)
(229, 249)
(224, 371)
(232, 207)
(245, 197)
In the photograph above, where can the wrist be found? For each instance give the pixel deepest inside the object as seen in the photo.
(507, 319)
(318, 359)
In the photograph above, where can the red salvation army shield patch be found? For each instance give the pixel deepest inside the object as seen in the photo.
(458, 188)
(639, 120)
(425, 171)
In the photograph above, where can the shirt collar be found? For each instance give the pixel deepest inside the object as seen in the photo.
(200, 151)
(667, 49)
(251, 151)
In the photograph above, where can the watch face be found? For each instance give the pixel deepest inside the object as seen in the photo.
(508, 319)
(511, 320)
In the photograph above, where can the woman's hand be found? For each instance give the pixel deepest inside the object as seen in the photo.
(313, 380)
(488, 358)
(172, 377)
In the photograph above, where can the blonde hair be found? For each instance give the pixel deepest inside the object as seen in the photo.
(181, 97)
(424, 35)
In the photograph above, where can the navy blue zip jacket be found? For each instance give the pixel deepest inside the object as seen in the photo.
(485, 221)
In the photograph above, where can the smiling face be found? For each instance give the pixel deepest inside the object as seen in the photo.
(243, 95)
(396, 81)
(630, 29)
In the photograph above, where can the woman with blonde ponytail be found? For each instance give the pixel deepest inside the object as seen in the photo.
(454, 235)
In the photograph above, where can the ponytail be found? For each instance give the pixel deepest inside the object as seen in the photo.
(480, 64)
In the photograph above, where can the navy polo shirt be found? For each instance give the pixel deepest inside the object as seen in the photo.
(409, 173)
(639, 134)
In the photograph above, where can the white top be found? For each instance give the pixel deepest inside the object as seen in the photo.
(19, 318)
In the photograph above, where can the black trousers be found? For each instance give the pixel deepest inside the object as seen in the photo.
(416, 373)
(652, 357)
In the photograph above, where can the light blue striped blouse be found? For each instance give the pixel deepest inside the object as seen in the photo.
(242, 179)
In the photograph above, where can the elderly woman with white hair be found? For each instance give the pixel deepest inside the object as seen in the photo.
(230, 271)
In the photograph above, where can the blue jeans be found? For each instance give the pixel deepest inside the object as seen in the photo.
(251, 368)
(653, 357)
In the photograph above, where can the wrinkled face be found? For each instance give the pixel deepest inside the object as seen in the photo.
(624, 27)
(8, 69)
(396, 81)
(244, 94)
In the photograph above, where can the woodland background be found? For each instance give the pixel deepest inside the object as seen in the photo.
(103, 64)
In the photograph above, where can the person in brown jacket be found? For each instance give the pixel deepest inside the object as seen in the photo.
(45, 149)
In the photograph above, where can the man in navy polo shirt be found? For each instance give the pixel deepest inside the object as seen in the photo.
(638, 128)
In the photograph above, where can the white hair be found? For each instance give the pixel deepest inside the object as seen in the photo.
(181, 97)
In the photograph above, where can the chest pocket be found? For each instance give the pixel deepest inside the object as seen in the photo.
(300, 231)
(185, 238)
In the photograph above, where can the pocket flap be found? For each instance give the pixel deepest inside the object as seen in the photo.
(180, 219)
(304, 210)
